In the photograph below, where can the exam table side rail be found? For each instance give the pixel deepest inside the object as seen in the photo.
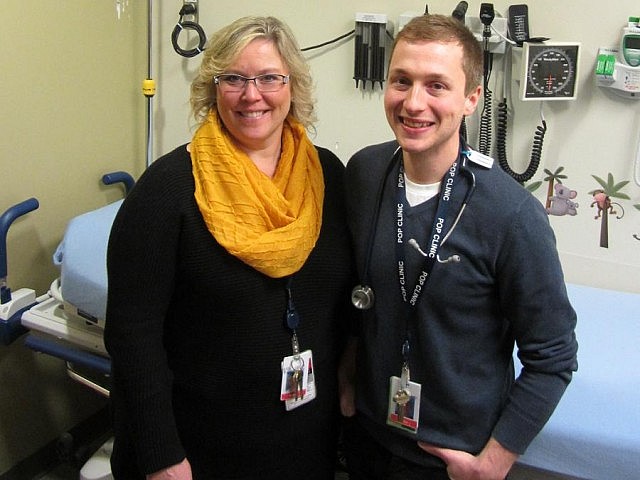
(73, 356)
(12, 304)
(64, 352)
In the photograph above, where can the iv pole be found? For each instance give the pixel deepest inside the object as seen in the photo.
(149, 85)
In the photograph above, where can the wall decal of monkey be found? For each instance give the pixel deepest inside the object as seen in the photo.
(602, 199)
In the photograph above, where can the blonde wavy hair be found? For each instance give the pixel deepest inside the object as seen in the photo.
(225, 45)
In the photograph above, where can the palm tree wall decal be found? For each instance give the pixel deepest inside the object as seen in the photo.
(602, 199)
(551, 178)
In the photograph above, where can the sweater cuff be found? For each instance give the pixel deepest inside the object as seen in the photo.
(159, 455)
(527, 412)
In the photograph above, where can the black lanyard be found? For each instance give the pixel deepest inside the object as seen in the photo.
(438, 233)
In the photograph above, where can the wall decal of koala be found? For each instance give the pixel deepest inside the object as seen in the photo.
(561, 203)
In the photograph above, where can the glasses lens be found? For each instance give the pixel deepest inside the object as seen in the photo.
(269, 82)
(231, 83)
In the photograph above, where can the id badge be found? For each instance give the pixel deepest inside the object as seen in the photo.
(298, 384)
(404, 405)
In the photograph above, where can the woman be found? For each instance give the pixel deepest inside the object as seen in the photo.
(229, 277)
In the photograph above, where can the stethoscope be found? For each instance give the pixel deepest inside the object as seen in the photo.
(362, 295)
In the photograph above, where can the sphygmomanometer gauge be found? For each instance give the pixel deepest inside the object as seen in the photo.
(551, 71)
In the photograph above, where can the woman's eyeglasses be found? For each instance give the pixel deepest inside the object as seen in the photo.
(268, 82)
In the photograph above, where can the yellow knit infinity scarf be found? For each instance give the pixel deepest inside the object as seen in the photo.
(270, 224)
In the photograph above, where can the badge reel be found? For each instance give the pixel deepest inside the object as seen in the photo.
(362, 297)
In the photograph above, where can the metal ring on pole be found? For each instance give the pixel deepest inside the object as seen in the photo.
(202, 38)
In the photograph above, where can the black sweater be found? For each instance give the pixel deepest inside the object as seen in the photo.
(196, 338)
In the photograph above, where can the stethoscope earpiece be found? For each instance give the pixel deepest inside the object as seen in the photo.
(451, 258)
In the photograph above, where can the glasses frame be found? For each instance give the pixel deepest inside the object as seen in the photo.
(256, 82)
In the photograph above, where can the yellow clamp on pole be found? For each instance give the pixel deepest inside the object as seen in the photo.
(149, 87)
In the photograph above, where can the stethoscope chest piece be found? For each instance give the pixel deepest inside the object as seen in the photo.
(362, 297)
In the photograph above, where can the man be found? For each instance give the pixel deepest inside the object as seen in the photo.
(459, 263)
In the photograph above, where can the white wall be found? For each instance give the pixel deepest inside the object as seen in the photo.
(594, 135)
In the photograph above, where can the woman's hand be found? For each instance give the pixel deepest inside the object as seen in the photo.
(179, 471)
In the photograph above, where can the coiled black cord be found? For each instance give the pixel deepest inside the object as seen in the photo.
(501, 133)
(202, 39)
(501, 146)
(484, 136)
(188, 9)
(536, 149)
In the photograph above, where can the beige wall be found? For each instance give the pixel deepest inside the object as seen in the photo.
(71, 110)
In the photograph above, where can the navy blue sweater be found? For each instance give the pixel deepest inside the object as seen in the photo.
(507, 287)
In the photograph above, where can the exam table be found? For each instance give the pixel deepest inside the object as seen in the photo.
(68, 322)
(594, 433)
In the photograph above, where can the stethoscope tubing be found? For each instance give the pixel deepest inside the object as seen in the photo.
(362, 295)
(376, 214)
